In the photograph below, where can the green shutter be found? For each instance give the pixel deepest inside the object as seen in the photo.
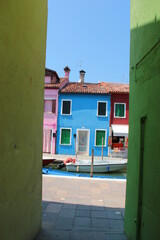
(65, 136)
(99, 135)
(119, 111)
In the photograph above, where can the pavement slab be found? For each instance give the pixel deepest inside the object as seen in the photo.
(82, 209)
(77, 235)
(83, 213)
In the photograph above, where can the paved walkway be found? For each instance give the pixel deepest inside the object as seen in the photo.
(82, 209)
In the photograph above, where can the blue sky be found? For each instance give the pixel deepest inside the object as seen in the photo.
(92, 35)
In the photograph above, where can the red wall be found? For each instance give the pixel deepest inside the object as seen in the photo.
(119, 98)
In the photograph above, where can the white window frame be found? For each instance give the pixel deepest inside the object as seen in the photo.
(115, 109)
(70, 106)
(96, 135)
(106, 108)
(61, 135)
(51, 99)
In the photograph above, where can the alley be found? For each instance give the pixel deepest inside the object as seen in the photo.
(82, 209)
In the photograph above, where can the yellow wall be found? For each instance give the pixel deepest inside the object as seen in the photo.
(23, 25)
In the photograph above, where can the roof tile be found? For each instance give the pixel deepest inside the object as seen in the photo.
(95, 88)
(55, 85)
(85, 88)
(116, 87)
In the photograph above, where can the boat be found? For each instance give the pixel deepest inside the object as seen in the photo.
(47, 161)
(99, 166)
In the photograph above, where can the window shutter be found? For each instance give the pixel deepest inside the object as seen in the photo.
(99, 135)
(65, 136)
(66, 107)
(119, 110)
(122, 110)
(101, 109)
(54, 106)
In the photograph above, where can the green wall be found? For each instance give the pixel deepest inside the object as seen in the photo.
(144, 101)
(23, 25)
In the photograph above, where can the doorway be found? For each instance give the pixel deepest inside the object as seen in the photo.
(47, 140)
(83, 142)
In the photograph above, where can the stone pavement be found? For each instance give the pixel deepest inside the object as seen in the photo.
(82, 209)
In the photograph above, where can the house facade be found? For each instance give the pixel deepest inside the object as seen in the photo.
(52, 86)
(119, 119)
(83, 119)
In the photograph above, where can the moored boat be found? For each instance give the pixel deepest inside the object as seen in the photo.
(47, 161)
(99, 166)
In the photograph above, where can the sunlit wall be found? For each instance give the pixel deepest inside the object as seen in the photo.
(23, 26)
(142, 218)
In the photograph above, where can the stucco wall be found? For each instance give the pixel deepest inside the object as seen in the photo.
(22, 67)
(84, 116)
(119, 98)
(144, 101)
(50, 119)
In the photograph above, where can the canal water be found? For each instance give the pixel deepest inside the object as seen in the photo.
(116, 175)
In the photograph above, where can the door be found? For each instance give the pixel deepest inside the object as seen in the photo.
(83, 142)
(47, 140)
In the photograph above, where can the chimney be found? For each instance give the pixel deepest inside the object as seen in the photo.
(82, 74)
(67, 71)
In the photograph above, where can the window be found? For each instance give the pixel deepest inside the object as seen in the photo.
(100, 134)
(119, 110)
(54, 106)
(50, 106)
(102, 109)
(65, 138)
(66, 107)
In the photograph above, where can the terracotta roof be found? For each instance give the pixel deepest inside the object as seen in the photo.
(95, 88)
(116, 87)
(56, 85)
(84, 88)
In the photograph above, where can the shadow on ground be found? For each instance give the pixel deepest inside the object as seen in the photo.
(64, 221)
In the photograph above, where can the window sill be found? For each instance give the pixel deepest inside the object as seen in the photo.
(100, 146)
(119, 117)
(65, 144)
(49, 113)
(66, 114)
(102, 116)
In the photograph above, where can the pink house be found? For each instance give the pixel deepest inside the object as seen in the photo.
(52, 86)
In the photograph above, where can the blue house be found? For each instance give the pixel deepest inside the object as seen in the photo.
(83, 119)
